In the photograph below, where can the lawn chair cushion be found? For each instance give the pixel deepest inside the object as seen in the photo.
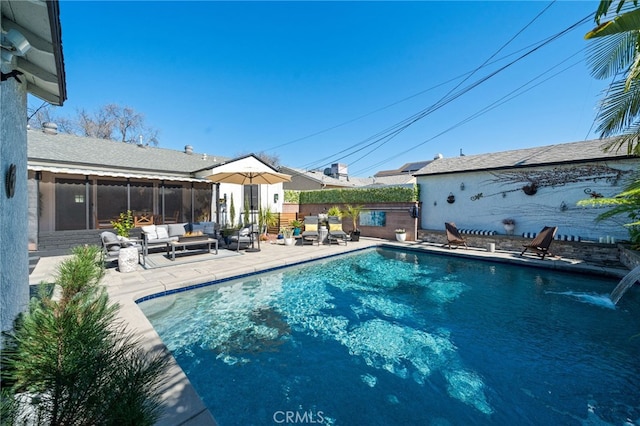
(150, 232)
(311, 227)
(177, 230)
(335, 227)
(162, 232)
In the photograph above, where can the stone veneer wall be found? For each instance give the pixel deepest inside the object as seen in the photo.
(606, 254)
(629, 258)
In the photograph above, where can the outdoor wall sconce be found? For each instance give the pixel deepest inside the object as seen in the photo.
(451, 198)
(275, 197)
(462, 186)
(10, 181)
(13, 44)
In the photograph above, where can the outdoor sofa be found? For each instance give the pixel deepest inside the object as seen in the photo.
(154, 236)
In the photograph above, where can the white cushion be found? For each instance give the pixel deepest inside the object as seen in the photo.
(150, 232)
(176, 230)
(162, 232)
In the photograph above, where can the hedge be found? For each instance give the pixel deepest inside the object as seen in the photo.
(390, 194)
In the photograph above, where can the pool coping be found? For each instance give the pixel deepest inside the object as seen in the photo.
(183, 406)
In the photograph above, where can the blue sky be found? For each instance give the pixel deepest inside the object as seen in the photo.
(321, 82)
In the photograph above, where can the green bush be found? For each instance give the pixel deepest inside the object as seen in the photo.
(291, 196)
(69, 362)
(123, 224)
(389, 194)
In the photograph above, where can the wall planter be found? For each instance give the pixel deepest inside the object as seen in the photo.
(530, 189)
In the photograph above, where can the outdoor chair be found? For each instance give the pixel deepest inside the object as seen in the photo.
(453, 236)
(142, 219)
(111, 245)
(335, 231)
(241, 239)
(171, 219)
(540, 244)
(310, 232)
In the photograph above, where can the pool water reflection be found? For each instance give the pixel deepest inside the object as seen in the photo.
(393, 337)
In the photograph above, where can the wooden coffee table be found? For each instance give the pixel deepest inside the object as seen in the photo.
(171, 245)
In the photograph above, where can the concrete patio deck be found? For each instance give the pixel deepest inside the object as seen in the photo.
(183, 406)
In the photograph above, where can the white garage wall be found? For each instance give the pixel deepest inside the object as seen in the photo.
(489, 197)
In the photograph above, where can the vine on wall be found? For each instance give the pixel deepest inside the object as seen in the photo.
(553, 178)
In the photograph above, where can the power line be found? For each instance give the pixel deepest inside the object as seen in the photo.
(499, 102)
(394, 130)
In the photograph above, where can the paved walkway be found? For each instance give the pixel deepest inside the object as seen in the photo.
(183, 405)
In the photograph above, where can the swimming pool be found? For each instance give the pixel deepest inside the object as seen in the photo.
(394, 337)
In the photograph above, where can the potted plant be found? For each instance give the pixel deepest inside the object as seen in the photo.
(287, 234)
(401, 234)
(296, 225)
(123, 224)
(266, 218)
(509, 225)
(353, 211)
(335, 211)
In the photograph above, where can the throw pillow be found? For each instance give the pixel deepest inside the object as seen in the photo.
(335, 227)
(176, 230)
(311, 227)
(150, 232)
(109, 237)
(162, 232)
(209, 227)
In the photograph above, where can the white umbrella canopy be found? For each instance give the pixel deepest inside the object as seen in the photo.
(249, 177)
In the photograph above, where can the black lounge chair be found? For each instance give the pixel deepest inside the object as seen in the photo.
(453, 236)
(335, 231)
(310, 232)
(540, 244)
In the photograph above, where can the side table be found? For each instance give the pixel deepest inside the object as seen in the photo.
(128, 259)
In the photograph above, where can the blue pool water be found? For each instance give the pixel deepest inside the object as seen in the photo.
(386, 337)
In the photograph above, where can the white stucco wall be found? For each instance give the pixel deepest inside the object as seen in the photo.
(266, 192)
(14, 257)
(502, 197)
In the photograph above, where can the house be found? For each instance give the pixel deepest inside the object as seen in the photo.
(306, 180)
(31, 63)
(81, 184)
(534, 186)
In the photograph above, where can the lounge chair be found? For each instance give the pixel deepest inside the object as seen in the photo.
(310, 232)
(540, 244)
(111, 245)
(241, 239)
(335, 231)
(453, 236)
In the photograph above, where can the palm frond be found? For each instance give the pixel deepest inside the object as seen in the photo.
(608, 56)
(628, 21)
(620, 108)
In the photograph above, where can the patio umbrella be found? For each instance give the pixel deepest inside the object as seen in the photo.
(250, 176)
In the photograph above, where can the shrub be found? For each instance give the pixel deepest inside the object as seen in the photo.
(69, 362)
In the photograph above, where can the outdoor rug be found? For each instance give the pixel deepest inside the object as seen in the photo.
(161, 260)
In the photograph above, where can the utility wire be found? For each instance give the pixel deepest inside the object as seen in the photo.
(393, 131)
(497, 103)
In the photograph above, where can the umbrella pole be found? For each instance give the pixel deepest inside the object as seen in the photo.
(253, 249)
